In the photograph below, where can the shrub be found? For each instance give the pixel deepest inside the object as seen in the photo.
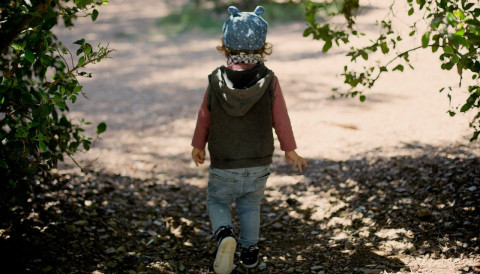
(38, 81)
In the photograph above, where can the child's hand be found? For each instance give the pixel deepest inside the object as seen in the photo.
(296, 159)
(198, 156)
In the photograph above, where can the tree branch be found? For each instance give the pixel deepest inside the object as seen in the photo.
(70, 72)
(393, 59)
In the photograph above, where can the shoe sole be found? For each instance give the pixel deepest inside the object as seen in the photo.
(224, 259)
(250, 265)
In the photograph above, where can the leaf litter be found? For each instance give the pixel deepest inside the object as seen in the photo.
(371, 214)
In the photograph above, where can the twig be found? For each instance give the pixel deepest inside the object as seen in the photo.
(70, 72)
(278, 217)
(395, 58)
(63, 58)
(76, 163)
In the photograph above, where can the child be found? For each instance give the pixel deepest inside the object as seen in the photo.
(242, 103)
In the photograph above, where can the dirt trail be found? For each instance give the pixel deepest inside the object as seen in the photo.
(150, 91)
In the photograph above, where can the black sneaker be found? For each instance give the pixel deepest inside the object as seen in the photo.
(249, 256)
(223, 263)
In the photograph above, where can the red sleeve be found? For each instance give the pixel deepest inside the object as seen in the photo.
(281, 121)
(200, 136)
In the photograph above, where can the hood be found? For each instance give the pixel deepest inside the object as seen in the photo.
(239, 90)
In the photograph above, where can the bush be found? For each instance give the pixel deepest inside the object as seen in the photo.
(36, 86)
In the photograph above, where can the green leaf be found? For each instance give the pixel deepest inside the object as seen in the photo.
(410, 11)
(42, 146)
(29, 56)
(3, 164)
(307, 32)
(384, 47)
(451, 19)
(363, 98)
(86, 144)
(88, 49)
(475, 136)
(469, 6)
(45, 60)
(459, 14)
(35, 14)
(94, 15)
(455, 59)
(77, 89)
(364, 55)
(61, 105)
(425, 39)
(398, 67)
(17, 47)
(466, 107)
(327, 46)
(44, 111)
(436, 22)
(80, 42)
(102, 127)
(81, 61)
(448, 49)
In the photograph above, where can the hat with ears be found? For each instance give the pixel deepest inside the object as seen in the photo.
(245, 30)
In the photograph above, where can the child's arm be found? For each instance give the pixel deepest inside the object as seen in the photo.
(200, 135)
(283, 129)
(297, 160)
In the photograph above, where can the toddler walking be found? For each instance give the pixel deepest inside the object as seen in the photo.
(242, 104)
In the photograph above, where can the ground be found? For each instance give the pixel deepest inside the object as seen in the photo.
(392, 184)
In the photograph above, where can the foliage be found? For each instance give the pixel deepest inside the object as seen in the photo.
(453, 31)
(210, 18)
(36, 85)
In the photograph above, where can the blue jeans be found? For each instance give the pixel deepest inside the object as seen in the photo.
(245, 187)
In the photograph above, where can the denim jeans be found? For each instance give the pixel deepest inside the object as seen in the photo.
(245, 187)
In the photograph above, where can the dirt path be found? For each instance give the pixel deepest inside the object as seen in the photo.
(150, 91)
(149, 94)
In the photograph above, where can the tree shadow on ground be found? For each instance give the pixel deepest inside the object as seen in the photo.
(370, 214)
(367, 213)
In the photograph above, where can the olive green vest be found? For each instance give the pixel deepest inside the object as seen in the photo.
(241, 124)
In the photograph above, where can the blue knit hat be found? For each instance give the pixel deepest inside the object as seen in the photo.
(244, 30)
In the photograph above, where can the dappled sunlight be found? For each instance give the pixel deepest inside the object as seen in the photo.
(372, 214)
(391, 187)
(384, 210)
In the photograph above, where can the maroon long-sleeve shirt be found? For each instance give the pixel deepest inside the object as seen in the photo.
(281, 121)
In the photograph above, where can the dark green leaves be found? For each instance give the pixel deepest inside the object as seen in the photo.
(448, 49)
(34, 130)
(384, 48)
(411, 11)
(102, 127)
(29, 56)
(398, 67)
(94, 15)
(328, 44)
